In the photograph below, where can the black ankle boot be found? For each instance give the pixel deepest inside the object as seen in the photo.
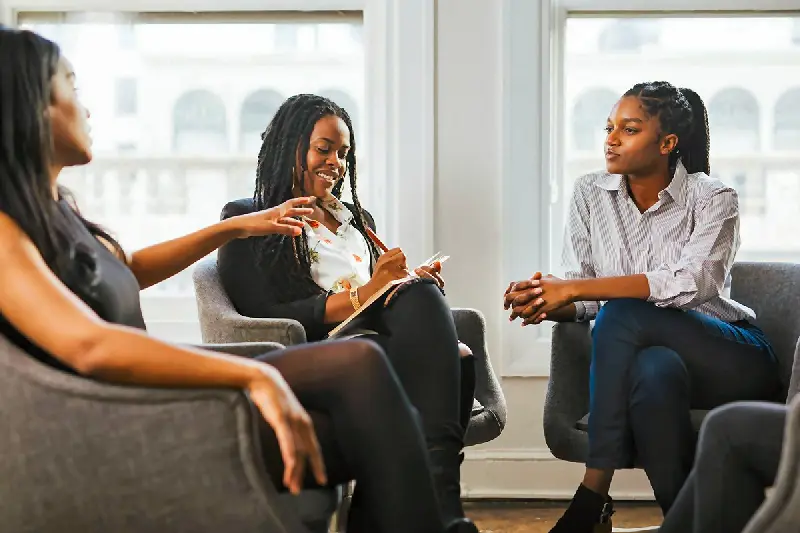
(446, 473)
(584, 512)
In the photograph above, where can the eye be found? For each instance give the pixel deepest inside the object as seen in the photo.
(631, 131)
(322, 150)
(609, 129)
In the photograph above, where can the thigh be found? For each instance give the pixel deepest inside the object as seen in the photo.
(725, 362)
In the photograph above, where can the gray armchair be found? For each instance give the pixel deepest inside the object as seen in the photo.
(770, 289)
(220, 323)
(78, 455)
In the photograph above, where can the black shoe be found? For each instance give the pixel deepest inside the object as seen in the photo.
(462, 525)
(585, 511)
(446, 473)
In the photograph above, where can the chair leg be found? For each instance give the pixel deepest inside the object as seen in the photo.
(339, 518)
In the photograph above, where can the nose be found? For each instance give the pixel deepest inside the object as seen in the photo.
(335, 162)
(88, 113)
(612, 139)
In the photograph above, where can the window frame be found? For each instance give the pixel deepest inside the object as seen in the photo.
(399, 44)
(533, 158)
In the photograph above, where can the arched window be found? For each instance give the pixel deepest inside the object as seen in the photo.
(733, 118)
(787, 120)
(589, 115)
(257, 111)
(200, 125)
(346, 102)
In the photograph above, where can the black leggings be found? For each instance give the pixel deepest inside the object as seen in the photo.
(367, 429)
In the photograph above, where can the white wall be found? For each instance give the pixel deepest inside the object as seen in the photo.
(470, 182)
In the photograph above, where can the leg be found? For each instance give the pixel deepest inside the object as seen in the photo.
(737, 459)
(366, 427)
(725, 362)
(660, 424)
(422, 346)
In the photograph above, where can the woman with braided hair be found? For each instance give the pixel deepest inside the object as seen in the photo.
(321, 276)
(648, 251)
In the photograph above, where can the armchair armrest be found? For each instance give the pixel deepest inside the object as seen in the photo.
(91, 456)
(567, 397)
(794, 383)
(243, 349)
(486, 425)
(230, 326)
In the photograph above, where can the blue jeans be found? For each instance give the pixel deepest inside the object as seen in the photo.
(650, 366)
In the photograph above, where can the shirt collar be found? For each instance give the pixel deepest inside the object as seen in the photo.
(676, 188)
(336, 208)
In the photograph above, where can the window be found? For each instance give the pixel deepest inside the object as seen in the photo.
(733, 118)
(126, 97)
(346, 102)
(787, 120)
(257, 111)
(745, 70)
(196, 94)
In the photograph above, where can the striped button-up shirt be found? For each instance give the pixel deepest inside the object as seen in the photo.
(685, 243)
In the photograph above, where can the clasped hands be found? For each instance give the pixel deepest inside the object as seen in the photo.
(533, 299)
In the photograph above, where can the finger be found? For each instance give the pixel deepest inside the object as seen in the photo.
(291, 222)
(285, 229)
(300, 200)
(534, 319)
(527, 310)
(283, 434)
(525, 297)
(315, 455)
(438, 279)
(537, 275)
(298, 212)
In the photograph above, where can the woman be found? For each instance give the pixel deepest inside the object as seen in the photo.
(51, 258)
(738, 453)
(320, 277)
(655, 237)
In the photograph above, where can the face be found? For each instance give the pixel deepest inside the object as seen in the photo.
(68, 119)
(326, 159)
(635, 144)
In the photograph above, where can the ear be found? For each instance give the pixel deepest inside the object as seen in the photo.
(668, 144)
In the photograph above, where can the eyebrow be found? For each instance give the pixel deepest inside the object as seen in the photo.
(71, 75)
(640, 121)
(329, 141)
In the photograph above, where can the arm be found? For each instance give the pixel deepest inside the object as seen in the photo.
(77, 336)
(576, 259)
(699, 274)
(156, 263)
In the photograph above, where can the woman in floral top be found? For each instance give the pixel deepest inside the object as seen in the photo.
(322, 276)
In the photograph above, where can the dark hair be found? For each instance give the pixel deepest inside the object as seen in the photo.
(28, 63)
(287, 136)
(683, 113)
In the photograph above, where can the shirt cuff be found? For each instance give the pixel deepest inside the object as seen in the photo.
(586, 311)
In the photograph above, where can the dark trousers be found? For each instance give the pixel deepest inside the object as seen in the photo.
(649, 367)
(737, 459)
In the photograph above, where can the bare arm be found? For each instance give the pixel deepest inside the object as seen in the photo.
(635, 286)
(156, 263)
(75, 335)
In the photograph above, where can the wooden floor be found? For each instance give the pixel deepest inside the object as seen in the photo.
(539, 517)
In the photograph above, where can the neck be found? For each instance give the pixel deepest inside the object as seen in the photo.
(644, 187)
(55, 170)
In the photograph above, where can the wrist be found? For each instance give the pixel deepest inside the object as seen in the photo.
(575, 290)
(231, 228)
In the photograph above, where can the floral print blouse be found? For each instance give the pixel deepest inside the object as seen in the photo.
(339, 261)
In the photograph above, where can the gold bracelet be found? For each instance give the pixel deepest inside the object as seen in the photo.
(354, 299)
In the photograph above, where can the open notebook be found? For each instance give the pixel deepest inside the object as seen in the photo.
(350, 322)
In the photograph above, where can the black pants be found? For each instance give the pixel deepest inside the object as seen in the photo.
(649, 367)
(367, 429)
(737, 459)
(419, 337)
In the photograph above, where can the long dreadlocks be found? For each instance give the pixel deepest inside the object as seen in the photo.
(285, 260)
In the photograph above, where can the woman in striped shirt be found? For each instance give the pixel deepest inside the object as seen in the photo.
(649, 247)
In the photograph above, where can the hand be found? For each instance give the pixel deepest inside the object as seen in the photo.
(292, 426)
(432, 272)
(389, 267)
(279, 219)
(533, 299)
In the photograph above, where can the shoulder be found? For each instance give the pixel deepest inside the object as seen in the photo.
(12, 237)
(367, 215)
(242, 206)
(702, 189)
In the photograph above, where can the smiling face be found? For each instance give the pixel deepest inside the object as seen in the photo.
(634, 142)
(326, 158)
(72, 143)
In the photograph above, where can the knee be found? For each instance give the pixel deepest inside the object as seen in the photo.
(464, 351)
(625, 309)
(366, 356)
(658, 373)
(723, 421)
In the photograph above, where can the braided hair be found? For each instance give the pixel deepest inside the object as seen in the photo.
(285, 260)
(683, 113)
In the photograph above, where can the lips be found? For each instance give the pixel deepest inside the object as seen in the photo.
(611, 154)
(327, 177)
